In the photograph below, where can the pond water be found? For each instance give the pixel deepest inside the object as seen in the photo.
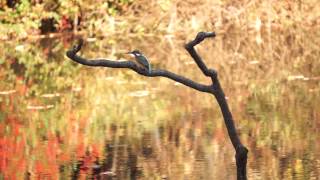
(61, 120)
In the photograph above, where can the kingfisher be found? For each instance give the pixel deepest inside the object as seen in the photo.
(141, 59)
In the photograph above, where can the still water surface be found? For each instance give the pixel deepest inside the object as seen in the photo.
(60, 120)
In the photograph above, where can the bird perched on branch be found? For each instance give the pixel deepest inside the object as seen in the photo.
(141, 59)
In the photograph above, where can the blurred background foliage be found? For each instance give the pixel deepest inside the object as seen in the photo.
(63, 119)
(21, 18)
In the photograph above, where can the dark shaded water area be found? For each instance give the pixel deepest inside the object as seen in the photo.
(61, 120)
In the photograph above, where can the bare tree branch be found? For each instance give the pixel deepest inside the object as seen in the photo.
(72, 54)
(190, 48)
(214, 89)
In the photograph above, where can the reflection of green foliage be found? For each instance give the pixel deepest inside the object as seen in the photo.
(43, 68)
(284, 108)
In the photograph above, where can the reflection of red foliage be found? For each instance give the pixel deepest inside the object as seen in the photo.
(219, 135)
(64, 157)
(48, 167)
(4, 145)
(12, 150)
(95, 151)
(41, 158)
(21, 87)
(87, 163)
(52, 147)
(87, 157)
(65, 24)
(80, 150)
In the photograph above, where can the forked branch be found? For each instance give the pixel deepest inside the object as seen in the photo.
(214, 88)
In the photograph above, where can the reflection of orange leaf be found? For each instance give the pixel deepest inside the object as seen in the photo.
(11, 105)
(52, 147)
(21, 164)
(46, 169)
(11, 149)
(19, 78)
(80, 150)
(16, 128)
(219, 135)
(87, 161)
(83, 123)
(22, 89)
(39, 169)
(2, 129)
(95, 150)
(64, 157)
(3, 152)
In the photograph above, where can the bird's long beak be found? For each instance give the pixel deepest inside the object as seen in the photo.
(130, 53)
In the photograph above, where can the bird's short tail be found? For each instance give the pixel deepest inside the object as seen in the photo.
(149, 68)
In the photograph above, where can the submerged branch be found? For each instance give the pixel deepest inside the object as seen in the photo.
(214, 88)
